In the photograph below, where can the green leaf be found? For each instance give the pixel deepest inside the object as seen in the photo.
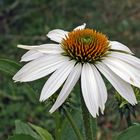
(21, 137)
(132, 133)
(23, 128)
(9, 67)
(44, 134)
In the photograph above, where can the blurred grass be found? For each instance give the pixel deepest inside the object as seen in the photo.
(28, 21)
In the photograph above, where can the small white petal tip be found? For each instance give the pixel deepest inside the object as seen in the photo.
(21, 46)
(134, 103)
(41, 99)
(51, 111)
(81, 27)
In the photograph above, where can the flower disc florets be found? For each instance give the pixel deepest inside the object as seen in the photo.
(85, 45)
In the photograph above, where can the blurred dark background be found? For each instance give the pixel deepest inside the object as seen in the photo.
(28, 21)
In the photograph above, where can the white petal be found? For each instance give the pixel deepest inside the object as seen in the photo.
(115, 45)
(89, 89)
(102, 92)
(49, 48)
(31, 55)
(124, 70)
(132, 60)
(68, 86)
(123, 88)
(80, 27)
(57, 35)
(27, 47)
(56, 80)
(39, 68)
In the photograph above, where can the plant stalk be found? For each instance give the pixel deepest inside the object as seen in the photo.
(73, 124)
(94, 128)
(58, 126)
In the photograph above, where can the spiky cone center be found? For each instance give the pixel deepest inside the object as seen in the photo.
(85, 45)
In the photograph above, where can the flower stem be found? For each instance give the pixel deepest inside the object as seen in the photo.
(94, 128)
(58, 126)
(89, 122)
(73, 124)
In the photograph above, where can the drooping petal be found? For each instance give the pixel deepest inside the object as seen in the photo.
(49, 48)
(31, 55)
(132, 60)
(68, 86)
(122, 87)
(56, 80)
(39, 68)
(80, 27)
(89, 89)
(102, 92)
(57, 35)
(115, 45)
(123, 70)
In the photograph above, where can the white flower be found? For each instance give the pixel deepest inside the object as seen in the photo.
(81, 53)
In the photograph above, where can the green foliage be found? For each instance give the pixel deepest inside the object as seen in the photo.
(132, 133)
(23, 128)
(21, 137)
(26, 131)
(8, 66)
(44, 134)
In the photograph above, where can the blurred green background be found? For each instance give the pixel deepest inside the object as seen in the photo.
(28, 21)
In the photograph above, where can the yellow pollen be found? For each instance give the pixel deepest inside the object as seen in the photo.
(85, 45)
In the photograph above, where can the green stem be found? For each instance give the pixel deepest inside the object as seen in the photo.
(94, 128)
(58, 126)
(73, 124)
(89, 122)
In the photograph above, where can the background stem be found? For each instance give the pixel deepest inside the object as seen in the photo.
(73, 124)
(58, 126)
(94, 127)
